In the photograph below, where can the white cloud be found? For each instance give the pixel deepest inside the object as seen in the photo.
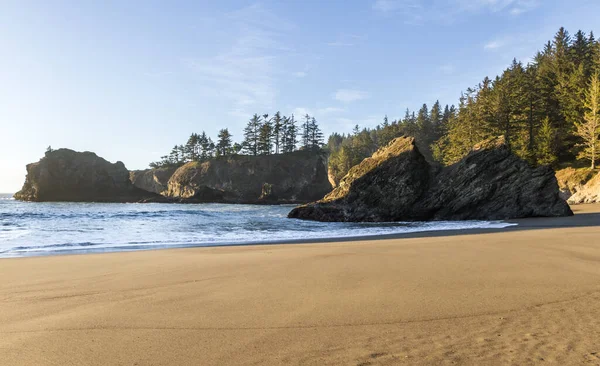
(493, 45)
(350, 95)
(300, 74)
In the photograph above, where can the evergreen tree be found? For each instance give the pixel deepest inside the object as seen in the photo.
(316, 136)
(424, 126)
(278, 131)
(224, 145)
(435, 118)
(265, 137)
(206, 146)
(306, 131)
(290, 134)
(589, 128)
(251, 135)
(546, 143)
(191, 148)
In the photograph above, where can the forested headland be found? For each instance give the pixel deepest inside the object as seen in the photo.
(548, 111)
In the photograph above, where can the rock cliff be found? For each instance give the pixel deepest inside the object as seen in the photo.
(589, 193)
(67, 175)
(397, 184)
(152, 180)
(572, 180)
(295, 177)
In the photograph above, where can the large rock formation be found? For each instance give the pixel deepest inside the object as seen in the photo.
(67, 175)
(153, 180)
(397, 184)
(590, 193)
(295, 177)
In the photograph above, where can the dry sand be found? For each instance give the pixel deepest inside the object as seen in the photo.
(529, 295)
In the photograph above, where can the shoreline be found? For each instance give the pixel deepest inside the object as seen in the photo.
(519, 296)
(587, 215)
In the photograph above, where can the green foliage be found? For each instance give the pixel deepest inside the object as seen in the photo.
(546, 144)
(589, 128)
(538, 108)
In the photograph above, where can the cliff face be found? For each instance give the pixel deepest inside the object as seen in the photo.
(572, 180)
(67, 175)
(589, 193)
(397, 184)
(152, 180)
(300, 176)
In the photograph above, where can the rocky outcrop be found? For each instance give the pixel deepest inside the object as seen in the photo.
(67, 175)
(152, 180)
(590, 193)
(295, 177)
(398, 184)
(572, 180)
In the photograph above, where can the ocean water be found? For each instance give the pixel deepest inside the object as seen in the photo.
(28, 229)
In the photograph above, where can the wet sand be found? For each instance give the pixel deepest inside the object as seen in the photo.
(524, 295)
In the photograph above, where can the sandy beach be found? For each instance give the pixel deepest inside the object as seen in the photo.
(524, 295)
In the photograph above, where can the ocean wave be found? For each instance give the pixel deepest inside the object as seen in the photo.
(74, 227)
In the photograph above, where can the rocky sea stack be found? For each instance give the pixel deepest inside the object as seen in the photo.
(398, 184)
(296, 177)
(67, 175)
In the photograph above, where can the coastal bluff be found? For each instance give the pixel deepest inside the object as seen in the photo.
(296, 177)
(398, 184)
(71, 176)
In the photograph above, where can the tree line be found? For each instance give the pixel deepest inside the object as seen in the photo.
(263, 135)
(548, 111)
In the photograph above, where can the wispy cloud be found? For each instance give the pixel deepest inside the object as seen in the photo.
(300, 112)
(350, 95)
(417, 11)
(330, 110)
(347, 40)
(244, 72)
(340, 44)
(300, 74)
(493, 45)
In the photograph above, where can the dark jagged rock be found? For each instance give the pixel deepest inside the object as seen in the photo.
(67, 175)
(397, 184)
(295, 177)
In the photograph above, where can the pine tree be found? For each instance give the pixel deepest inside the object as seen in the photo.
(224, 145)
(251, 135)
(546, 143)
(424, 127)
(589, 128)
(435, 118)
(191, 148)
(206, 146)
(316, 136)
(290, 134)
(306, 131)
(265, 137)
(278, 131)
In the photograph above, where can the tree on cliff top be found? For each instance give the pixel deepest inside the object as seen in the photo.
(251, 135)
(224, 144)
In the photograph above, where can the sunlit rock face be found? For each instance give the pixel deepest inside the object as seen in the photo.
(398, 184)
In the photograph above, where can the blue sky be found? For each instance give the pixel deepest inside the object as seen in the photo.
(129, 79)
